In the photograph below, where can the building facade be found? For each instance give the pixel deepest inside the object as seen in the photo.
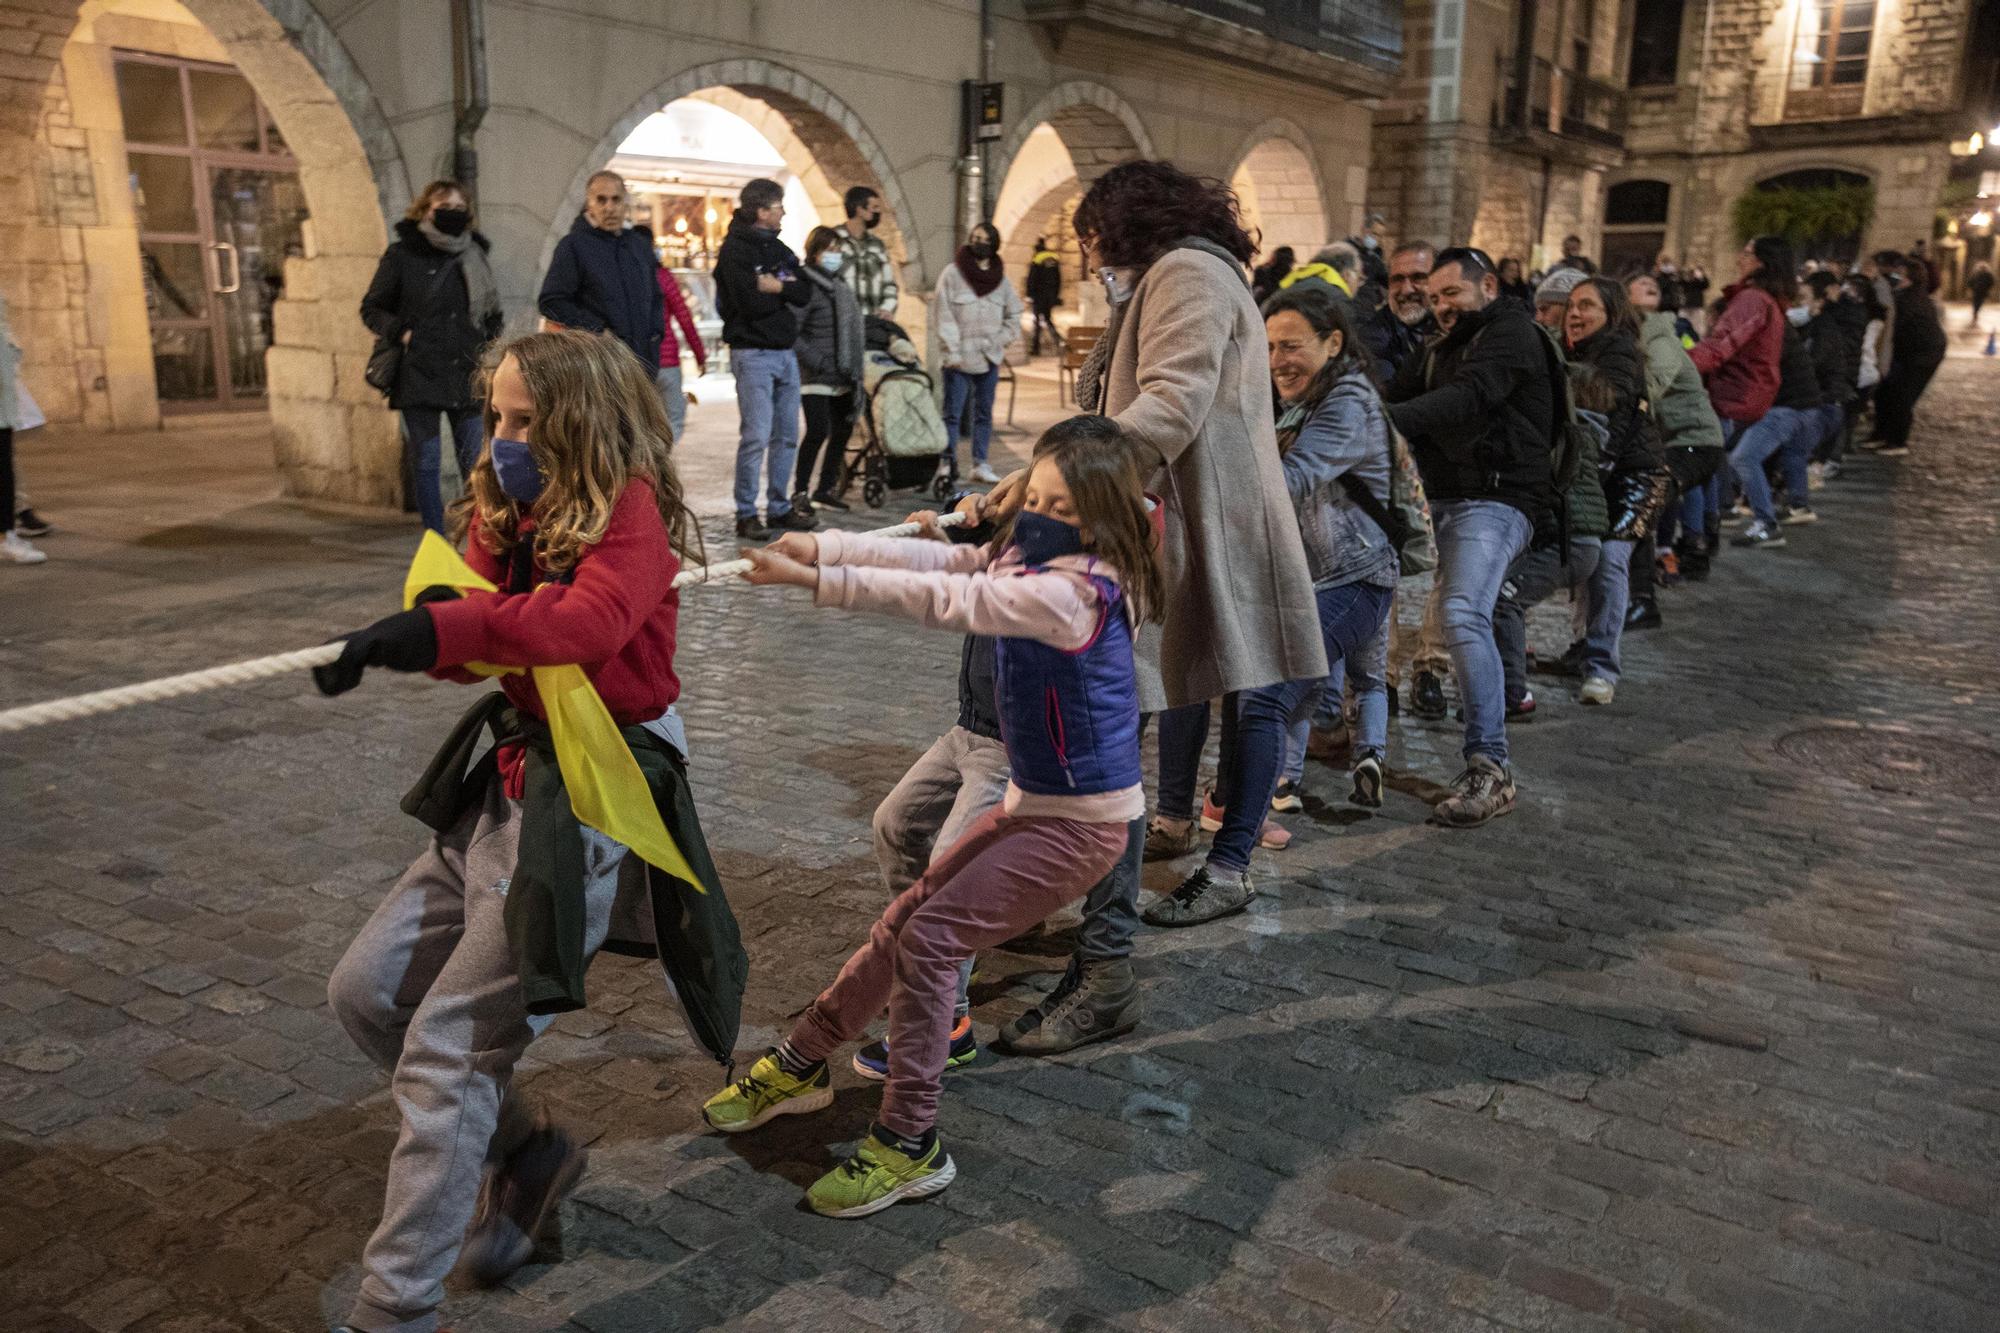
(194, 193)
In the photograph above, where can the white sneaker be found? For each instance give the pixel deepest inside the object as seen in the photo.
(985, 475)
(1597, 690)
(1815, 476)
(20, 550)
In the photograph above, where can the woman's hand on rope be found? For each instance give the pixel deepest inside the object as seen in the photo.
(406, 641)
(927, 524)
(772, 565)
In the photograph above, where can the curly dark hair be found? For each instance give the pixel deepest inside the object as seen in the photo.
(1137, 211)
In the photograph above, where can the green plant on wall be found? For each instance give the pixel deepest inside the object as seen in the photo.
(1804, 215)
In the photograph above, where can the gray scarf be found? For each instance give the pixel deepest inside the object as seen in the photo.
(482, 296)
(1090, 375)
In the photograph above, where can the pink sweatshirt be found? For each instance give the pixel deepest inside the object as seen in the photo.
(960, 587)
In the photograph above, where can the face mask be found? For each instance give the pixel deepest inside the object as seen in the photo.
(1800, 315)
(982, 250)
(874, 222)
(832, 260)
(514, 465)
(452, 221)
(1041, 539)
(1115, 290)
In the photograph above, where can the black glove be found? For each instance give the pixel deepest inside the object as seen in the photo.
(406, 641)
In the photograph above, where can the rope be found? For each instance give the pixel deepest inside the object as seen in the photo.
(263, 668)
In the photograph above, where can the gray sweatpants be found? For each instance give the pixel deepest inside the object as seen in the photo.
(960, 778)
(428, 991)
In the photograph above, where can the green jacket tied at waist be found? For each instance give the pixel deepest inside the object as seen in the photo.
(693, 933)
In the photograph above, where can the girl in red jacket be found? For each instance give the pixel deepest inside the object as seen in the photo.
(575, 513)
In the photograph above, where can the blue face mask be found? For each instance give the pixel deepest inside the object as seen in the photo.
(832, 260)
(1800, 315)
(1041, 539)
(514, 465)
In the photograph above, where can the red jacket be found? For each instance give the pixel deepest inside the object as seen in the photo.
(616, 617)
(1739, 357)
(678, 313)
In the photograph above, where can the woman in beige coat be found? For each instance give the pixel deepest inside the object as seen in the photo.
(1183, 368)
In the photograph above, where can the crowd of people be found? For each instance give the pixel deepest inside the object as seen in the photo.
(1264, 462)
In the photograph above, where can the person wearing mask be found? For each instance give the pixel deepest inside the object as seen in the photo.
(1833, 332)
(830, 347)
(1978, 287)
(1264, 279)
(1574, 258)
(1480, 416)
(868, 271)
(1738, 360)
(1689, 431)
(977, 317)
(1667, 277)
(13, 415)
(1400, 328)
(672, 392)
(434, 293)
(1874, 318)
(1514, 284)
(1044, 294)
(1603, 332)
(759, 292)
(602, 276)
(1184, 371)
(1373, 288)
(1919, 347)
(1785, 433)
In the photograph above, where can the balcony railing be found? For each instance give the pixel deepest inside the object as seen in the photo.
(1364, 33)
(1569, 105)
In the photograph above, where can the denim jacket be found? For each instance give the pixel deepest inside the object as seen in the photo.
(1346, 432)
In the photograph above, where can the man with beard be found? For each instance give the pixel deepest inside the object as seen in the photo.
(1397, 331)
(869, 272)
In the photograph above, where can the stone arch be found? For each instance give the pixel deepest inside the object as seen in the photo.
(821, 138)
(1279, 184)
(1097, 126)
(333, 437)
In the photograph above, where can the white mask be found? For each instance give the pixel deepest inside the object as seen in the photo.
(1116, 290)
(1800, 315)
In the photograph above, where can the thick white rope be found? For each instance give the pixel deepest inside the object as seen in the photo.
(263, 668)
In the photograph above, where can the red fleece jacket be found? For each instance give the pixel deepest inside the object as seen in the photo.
(1739, 357)
(616, 617)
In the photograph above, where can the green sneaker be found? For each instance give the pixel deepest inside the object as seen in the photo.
(767, 1091)
(877, 1176)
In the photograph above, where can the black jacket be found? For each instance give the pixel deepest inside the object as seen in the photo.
(420, 288)
(1833, 368)
(978, 704)
(751, 318)
(1045, 285)
(1478, 408)
(1798, 383)
(831, 335)
(1632, 463)
(1394, 342)
(1917, 337)
(603, 280)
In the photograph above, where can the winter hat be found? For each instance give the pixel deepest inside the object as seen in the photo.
(1555, 288)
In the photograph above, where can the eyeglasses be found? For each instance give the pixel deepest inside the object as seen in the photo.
(1470, 259)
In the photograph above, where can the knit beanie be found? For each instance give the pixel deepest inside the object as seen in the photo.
(1555, 288)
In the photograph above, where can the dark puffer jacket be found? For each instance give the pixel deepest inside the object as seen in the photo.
(1631, 464)
(831, 338)
(1832, 366)
(1479, 411)
(601, 280)
(413, 291)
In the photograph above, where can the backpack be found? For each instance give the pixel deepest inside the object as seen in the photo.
(1406, 519)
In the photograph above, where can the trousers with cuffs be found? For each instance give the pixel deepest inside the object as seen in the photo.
(429, 991)
(1005, 874)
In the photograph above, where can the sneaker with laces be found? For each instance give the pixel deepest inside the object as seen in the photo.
(1759, 534)
(879, 1175)
(1288, 796)
(1800, 514)
(1427, 697)
(752, 529)
(1209, 894)
(1211, 812)
(984, 474)
(1815, 476)
(20, 550)
(518, 1197)
(30, 524)
(1643, 613)
(1367, 791)
(1096, 1000)
(1597, 691)
(1169, 838)
(791, 521)
(1485, 790)
(765, 1093)
(1272, 836)
(828, 500)
(1521, 711)
(872, 1060)
(802, 503)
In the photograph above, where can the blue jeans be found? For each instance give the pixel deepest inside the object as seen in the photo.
(672, 397)
(1786, 432)
(1829, 424)
(767, 401)
(1349, 617)
(1530, 579)
(1362, 662)
(1477, 540)
(468, 434)
(961, 389)
(1610, 594)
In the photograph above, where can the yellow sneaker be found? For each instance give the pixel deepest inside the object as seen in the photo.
(765, 1092)
(879, 1175)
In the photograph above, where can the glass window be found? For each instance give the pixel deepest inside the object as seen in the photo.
(225, 110)
(163, 192)
(1832, 44)
(1656, 42)
(150, 97)
(176, 280)
(1630, 203)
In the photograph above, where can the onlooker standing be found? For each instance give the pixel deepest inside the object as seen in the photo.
(1919, 350)
(669, 379)
(1044, 294)
(867, 270)
(1479, 414)
(759, 293)
(1573, 257)
(1979, 286)
(1738, 360)
(434, 293)
(1667, 277)
(978, 317)
(830, 346)
(12, 544)
(1694, 289)
(601, 278)
(1513, 283)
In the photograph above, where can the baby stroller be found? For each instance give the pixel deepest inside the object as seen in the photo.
(902, 435)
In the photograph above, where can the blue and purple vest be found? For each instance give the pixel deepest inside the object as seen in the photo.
(1070, 719)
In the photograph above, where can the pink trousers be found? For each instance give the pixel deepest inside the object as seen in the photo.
(1002, 877)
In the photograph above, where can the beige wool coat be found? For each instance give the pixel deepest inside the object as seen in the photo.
(1189, 378)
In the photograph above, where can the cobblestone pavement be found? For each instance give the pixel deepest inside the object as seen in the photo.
(1703, 1037)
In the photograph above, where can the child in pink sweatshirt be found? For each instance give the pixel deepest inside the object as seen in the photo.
(1062, 590)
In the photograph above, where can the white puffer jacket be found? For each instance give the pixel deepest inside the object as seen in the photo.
(974, 331)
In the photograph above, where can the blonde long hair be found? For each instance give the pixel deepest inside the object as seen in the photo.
(599, 424)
